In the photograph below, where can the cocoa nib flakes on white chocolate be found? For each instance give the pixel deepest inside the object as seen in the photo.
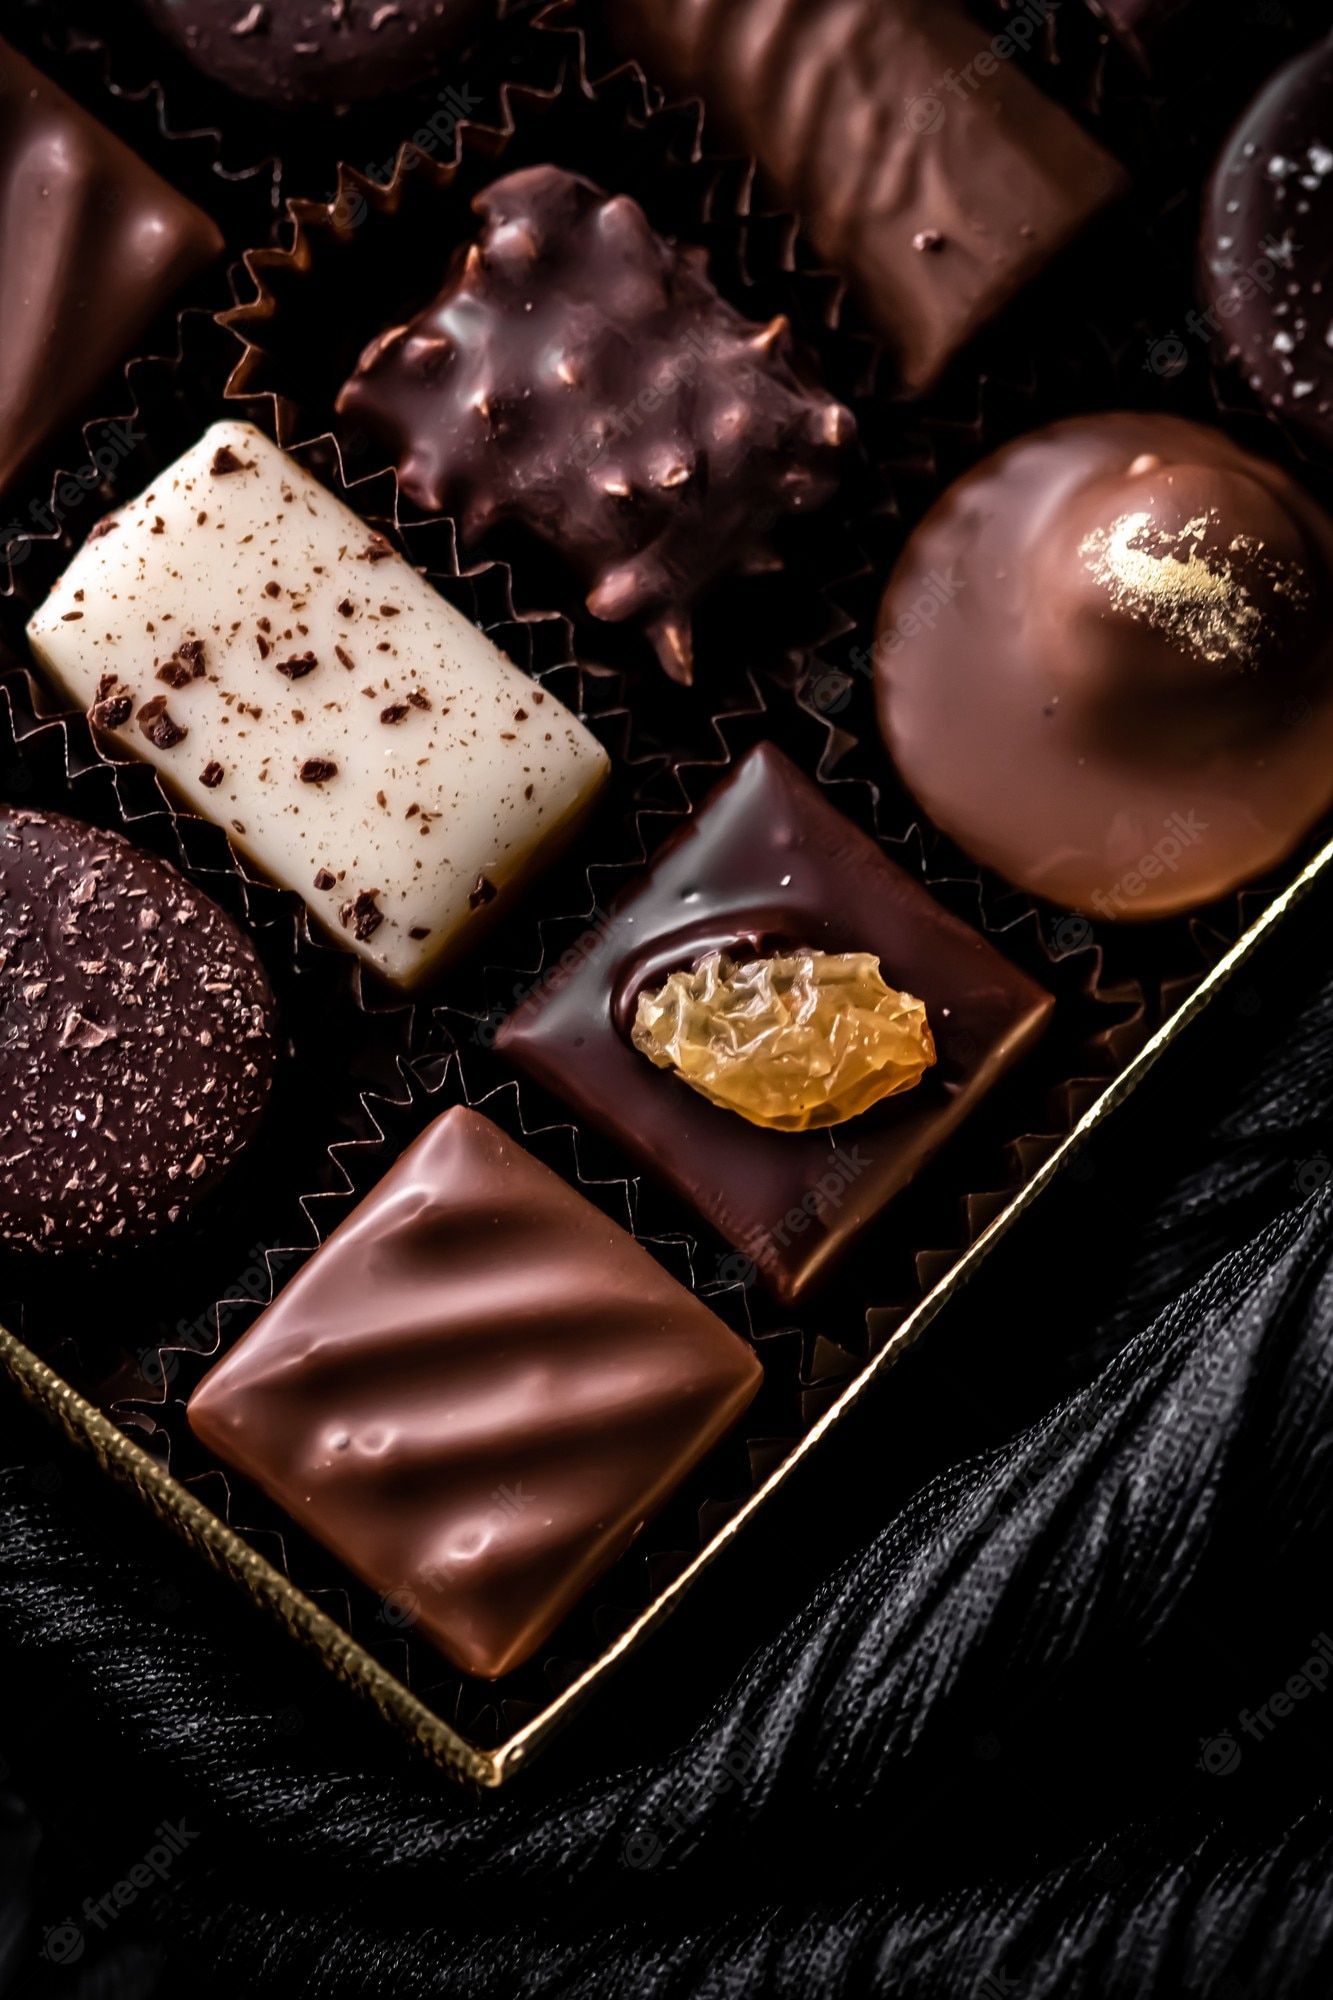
(295, 680)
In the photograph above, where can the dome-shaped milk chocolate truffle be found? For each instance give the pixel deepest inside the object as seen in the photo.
(1104, 664)
(138, 1039)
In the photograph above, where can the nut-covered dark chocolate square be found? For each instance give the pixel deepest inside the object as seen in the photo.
(582, 376)
(767, 864)
(476, 1393)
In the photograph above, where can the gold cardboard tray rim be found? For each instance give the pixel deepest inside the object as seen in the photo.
(85, 1425)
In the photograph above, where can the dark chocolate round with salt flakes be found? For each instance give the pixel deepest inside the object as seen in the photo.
(1267, 246)
(137, 1039)
(290, 52)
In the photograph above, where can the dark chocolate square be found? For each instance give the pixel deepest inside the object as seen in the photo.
(476, 1393)
(92, 244)
(767, 863)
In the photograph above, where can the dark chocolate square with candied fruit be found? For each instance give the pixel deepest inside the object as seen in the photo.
(767, 865)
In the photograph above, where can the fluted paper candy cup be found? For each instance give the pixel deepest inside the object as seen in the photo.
(238, 153)
(781, 661)
(711, 574)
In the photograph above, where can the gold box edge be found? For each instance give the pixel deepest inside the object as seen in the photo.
(228, 1552)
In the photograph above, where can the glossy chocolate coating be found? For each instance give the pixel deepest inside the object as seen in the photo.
(1267, 244)
(92, 245)
(138, 1038)
(923, 164)
(766, 864)
(476, 1393)
(1122, 697)
(581, 376)
(315, 51)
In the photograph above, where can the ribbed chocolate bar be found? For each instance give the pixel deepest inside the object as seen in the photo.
(476, 1393)
(922, 161)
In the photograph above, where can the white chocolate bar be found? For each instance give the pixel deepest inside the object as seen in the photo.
(293, 679)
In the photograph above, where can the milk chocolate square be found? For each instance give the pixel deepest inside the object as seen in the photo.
(768, 864)
(476, 1393)
(92, 244)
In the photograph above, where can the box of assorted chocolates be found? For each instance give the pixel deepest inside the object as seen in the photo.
(649, 655)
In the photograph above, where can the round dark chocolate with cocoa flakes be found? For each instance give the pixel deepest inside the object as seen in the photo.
(1267, 247)
(137, 1039)
(316, 51)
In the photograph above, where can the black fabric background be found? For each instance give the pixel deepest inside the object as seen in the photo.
(986, 1708)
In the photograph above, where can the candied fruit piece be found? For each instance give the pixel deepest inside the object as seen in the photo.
(792, 1042)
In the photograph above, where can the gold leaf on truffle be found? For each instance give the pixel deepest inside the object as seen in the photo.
(791, 1042)
(1192, 584)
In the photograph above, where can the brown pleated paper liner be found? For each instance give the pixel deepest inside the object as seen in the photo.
(669, 754)
(378, 251)
(347, 1043)
(808, 1358)
(362, 1073)
(235, 155)
(103, 57)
